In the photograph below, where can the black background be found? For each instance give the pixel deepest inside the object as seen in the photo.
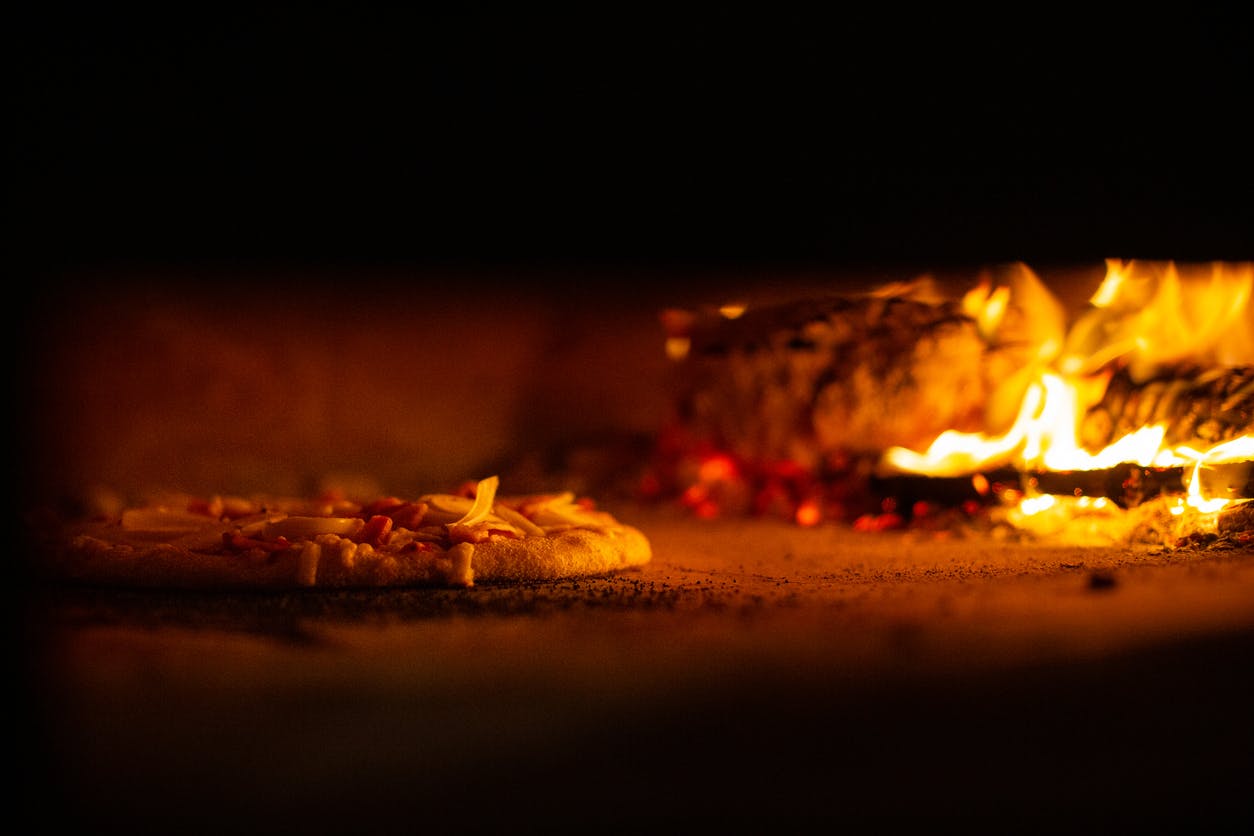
(926, 138)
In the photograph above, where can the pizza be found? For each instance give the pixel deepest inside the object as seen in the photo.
(441, 539)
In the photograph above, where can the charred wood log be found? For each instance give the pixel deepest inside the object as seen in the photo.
(905, 490)
(822, 380)
(1126, 485)
(1129, 485)
(826, 386)
(1239, 519)
(1199, 406)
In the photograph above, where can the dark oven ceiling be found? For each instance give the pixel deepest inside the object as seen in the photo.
(516, 138)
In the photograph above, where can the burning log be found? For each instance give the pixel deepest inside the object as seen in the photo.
(818, 408)
(1197, 406)
(1239, 519)
(907, 489)
(1126, 485)
(1129, 485)
(820, 382)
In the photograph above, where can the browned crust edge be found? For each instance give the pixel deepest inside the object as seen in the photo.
(568, 554)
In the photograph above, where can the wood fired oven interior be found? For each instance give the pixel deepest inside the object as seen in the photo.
(284, 382)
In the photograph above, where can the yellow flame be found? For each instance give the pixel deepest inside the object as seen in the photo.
(1142, 317)
(986, 305)
(1239, 449)
(1108, 291)
(1043, 436)
(1148, 315)
(1036, 504)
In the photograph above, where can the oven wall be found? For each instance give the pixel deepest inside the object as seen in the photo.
(229, 382)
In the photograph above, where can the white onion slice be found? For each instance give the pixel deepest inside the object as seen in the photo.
(163, 519)
(485, 498)
(517, 520)
(298, 528)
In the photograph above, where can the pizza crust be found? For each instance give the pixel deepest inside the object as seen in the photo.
(576, 553)
(108, 554)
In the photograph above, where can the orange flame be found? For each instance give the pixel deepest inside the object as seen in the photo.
(1150, 315)
(1142, 318)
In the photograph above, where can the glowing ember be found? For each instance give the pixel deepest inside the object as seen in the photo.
(808, 513)
(677, 347)
(717, 469)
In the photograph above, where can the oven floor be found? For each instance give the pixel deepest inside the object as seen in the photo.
(753, 673)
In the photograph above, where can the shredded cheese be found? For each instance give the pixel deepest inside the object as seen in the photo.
(307, 572)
